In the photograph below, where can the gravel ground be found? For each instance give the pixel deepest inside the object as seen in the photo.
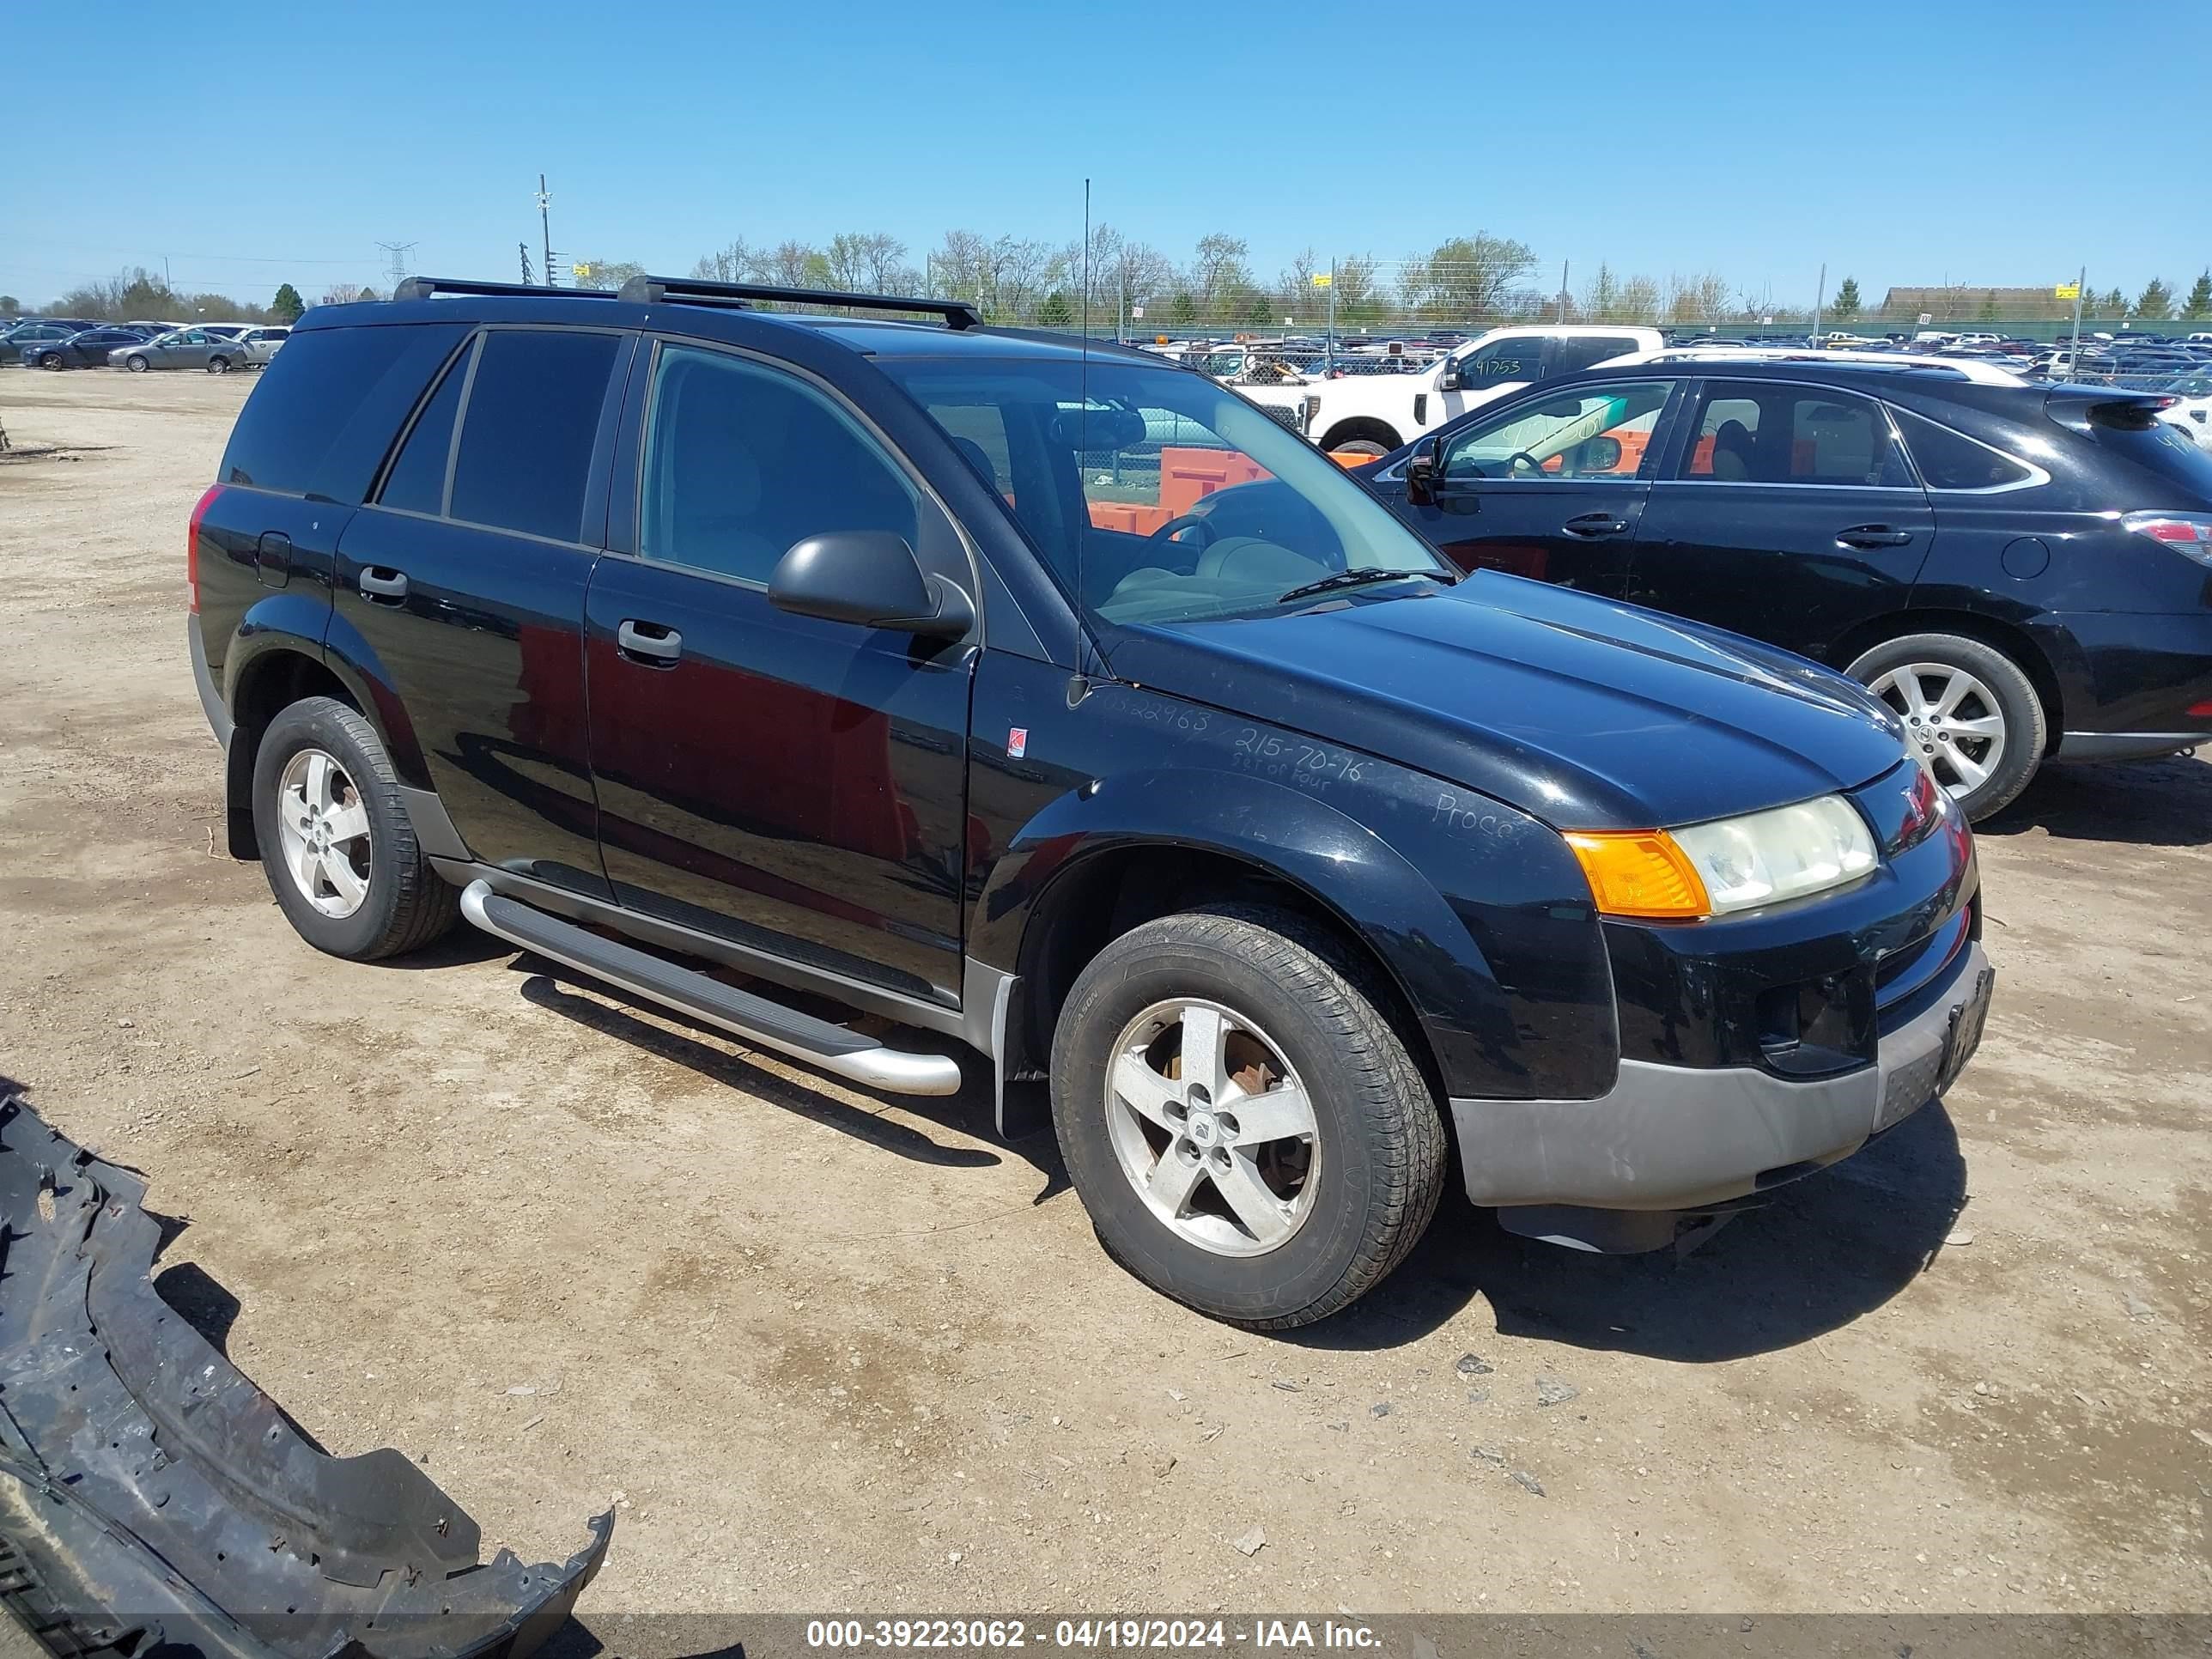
(836, 1351)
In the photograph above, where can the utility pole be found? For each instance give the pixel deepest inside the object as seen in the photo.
(523, 249)
(1329, 355)
(398, 250)
(1820, 298)
(545, 229)
(2073, 359)
(1563, 290)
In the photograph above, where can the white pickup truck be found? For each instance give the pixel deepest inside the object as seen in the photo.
(1373, 414)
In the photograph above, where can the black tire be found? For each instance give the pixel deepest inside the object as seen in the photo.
(1370, 438)
(136, 364)
(218, 366)
(408, 904)
(1381, 1151)
(2011, 696)
(50, 360)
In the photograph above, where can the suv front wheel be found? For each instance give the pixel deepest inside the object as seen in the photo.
(336, 843)
(1242, 1120)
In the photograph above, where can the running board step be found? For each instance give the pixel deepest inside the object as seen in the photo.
(756, 1019)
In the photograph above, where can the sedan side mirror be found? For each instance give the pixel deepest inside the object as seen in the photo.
(870, 577)
(1421, 474)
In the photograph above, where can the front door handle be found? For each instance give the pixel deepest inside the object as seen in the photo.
(380, 582)
(649, 643)
(1874, 535)
(1593, 524)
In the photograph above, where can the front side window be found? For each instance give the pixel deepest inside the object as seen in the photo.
(743, 461)
(533, 414)
(1601, 434)
(1748, 432)
(1156, 494)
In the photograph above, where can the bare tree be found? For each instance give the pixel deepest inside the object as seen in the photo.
(1221, 273)
(867, 263)
(738, 263)
(346, 294)
(793, 264)
(1467, 278)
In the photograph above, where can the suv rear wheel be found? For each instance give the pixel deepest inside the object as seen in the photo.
(1241, 1120)
(340, 854)
(1969, 711)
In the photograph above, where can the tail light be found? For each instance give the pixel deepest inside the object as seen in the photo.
(193, 546)
(2192, 537)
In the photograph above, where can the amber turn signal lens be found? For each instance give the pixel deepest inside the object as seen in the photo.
(1640, 872)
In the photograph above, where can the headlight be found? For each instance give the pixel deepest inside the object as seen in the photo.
(1728, 864)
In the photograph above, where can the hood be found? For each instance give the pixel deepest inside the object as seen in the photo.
(1588, 713)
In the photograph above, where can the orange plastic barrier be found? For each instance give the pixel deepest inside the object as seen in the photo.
(1188, 476)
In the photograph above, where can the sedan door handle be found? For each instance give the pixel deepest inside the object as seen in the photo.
(1874, 535)
(381, 582)
(649, 643)
(1593, 524)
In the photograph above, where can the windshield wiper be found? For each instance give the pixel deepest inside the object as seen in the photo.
(1349, 579)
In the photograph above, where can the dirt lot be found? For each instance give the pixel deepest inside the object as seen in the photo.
(836, 1351)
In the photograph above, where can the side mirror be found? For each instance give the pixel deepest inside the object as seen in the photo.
(1599, 455)
(1421, 475)
(1450, 381)
(872, 578)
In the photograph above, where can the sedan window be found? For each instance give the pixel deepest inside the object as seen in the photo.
(1748, 432)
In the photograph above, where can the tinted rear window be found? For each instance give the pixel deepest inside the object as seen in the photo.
(1951, 460)
(417, 479)
(526, 438)
(323, 412)
(2162, 448)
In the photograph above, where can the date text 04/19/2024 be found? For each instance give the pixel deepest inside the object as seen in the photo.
(1006, 1635)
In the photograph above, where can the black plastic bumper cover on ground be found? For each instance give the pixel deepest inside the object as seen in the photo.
(151, 1495)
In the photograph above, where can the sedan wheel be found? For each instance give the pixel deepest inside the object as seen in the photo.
(218, 366)
(136, 364)
(1953, 720)
(50, 360)
(324, 828)
(1213, 1127)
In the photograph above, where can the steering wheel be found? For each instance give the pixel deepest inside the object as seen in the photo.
(1167, 531)
(1522, 457)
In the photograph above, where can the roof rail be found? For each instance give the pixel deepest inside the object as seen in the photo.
(692, 290)
(421, 288)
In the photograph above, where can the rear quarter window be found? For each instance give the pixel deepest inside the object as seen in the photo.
(326, 408)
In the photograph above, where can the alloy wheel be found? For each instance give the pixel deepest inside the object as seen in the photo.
(1954, 722)
(323, 826)
(1213, 1127)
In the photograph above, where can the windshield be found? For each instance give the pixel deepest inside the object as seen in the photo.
(1161, 497)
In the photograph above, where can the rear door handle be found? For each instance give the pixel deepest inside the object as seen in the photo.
(649, 643)
(1874, 535)
(1593, 524)
(380, 582)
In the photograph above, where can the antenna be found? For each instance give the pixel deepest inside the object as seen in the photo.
(1082, 454)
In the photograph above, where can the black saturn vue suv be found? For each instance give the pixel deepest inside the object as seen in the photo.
(663, 633)
(2023, 572)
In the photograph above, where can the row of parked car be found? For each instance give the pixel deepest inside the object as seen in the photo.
(2015, 564)
(55, 342)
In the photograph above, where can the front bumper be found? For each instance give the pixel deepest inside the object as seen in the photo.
(1681, 1138)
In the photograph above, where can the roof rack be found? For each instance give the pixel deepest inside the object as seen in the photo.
(692, 290)
(421, 288)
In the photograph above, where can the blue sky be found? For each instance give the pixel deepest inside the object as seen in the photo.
(1899, 143)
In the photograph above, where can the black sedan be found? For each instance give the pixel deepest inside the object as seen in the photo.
(2019, 571)
(86, 349)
